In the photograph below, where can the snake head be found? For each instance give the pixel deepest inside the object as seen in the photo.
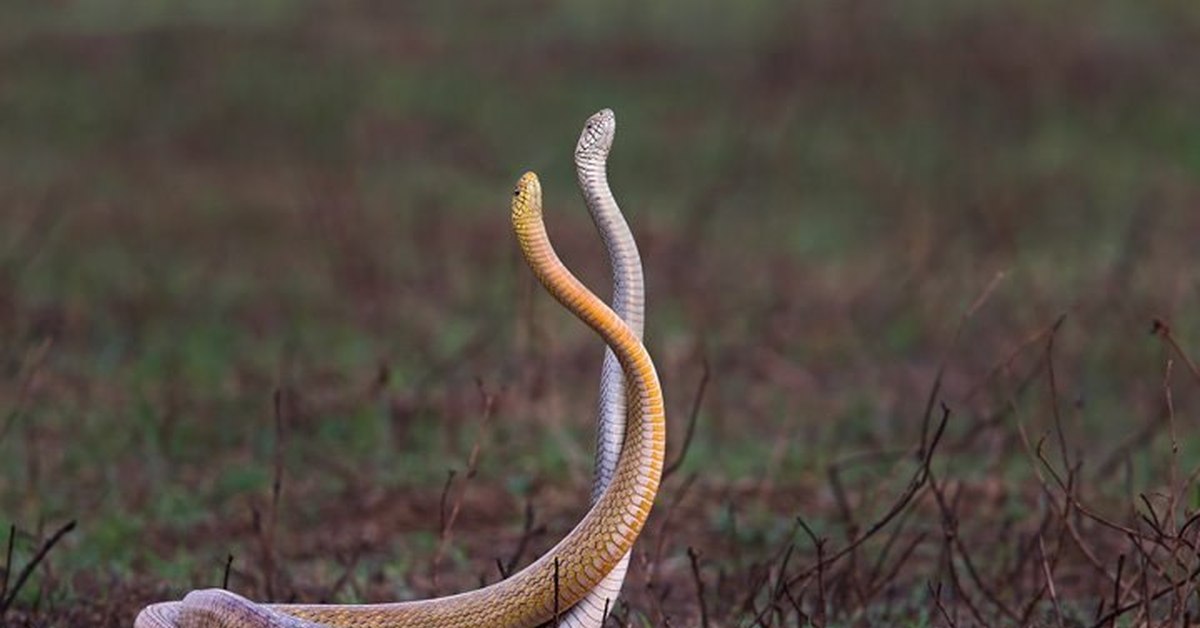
(527, 197)
(598, 132)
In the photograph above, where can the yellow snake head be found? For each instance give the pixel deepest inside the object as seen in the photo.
(527, 199)
(597, 136)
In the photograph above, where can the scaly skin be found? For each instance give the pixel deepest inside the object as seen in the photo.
(582, 559)
(629, 298)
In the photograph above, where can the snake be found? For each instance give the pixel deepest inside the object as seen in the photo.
(629, 302)
(567, 572)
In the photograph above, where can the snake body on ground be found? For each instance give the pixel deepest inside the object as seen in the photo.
(562, 576)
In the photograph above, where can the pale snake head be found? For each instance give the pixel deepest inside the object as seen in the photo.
(597, 136)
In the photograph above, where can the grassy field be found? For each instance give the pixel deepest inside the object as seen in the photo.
(257, 287)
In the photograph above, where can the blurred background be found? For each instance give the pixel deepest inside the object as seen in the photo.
(256, 245)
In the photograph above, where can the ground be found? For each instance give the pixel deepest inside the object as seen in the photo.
(257, 285)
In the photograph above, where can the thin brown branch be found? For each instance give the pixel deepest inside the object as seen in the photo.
(697, 399)
(280, 404)
(936, 592)
(918, 481)
(447, 519)
(27, 571)
(225, 573)
(953, 543)
(528, 531)
(931, 398)
(1117, 587)
(1048, 574)
(1146, 599)
(1162, 329)
(661, 537)
(694, 557)
(819, 544)
(8, 555)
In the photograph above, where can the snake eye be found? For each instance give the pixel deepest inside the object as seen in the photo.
(516, 191)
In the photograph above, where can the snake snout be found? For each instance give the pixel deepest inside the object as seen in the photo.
(598, 132)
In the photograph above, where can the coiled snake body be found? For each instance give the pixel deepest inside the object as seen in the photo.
(575, 566)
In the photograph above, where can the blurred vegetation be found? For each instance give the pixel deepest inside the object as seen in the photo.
(204, 203)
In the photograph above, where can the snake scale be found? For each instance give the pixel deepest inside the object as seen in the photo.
(583, 563)
(629, 302)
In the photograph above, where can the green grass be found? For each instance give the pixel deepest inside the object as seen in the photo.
(206, 202)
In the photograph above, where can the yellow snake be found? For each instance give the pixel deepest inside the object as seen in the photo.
(571, 568)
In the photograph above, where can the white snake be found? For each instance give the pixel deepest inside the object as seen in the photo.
(629, 302)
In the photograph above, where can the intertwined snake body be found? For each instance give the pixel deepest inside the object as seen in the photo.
(629, 302)
(562, 576)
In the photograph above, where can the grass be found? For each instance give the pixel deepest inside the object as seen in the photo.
(206, 204)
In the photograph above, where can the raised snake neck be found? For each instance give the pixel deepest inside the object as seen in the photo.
(629, 302)
(559, 578)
